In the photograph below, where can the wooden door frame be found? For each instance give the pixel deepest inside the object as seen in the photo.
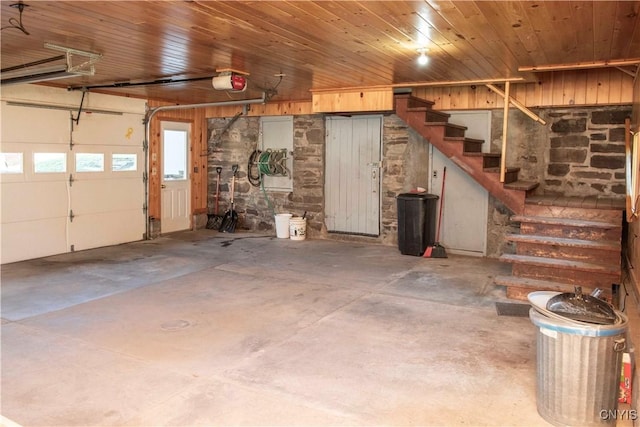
(155, 166)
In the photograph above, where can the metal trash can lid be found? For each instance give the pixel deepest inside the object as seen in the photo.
(557, 324)
(583, 308)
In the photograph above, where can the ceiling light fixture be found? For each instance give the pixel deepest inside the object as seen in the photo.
(423, 59)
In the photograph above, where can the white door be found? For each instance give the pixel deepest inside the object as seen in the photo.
(352, 175)
(464, 216)
(176, 180)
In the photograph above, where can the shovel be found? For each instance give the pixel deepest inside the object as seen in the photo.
(230, 219)
(215, 220)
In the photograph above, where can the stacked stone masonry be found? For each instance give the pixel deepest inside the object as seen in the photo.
(586, 152)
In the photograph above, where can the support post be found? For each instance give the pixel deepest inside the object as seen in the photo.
(503, 155)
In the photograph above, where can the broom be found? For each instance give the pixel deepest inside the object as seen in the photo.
(437, 250)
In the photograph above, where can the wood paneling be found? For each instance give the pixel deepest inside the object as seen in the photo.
(318, 44)
(602, 86)
(198, 158)
(267, 109)
(358, 101)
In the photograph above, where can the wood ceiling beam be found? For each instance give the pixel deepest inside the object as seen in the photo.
(581, 65)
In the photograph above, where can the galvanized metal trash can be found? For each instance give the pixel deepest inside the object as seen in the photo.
(578, 370)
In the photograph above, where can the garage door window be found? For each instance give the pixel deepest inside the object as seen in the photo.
(49, 162)
(124, 162)
(89, 162)
(11, 163)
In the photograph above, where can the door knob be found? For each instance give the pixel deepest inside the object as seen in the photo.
(163, 186)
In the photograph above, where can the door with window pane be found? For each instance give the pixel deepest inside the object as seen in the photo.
(175, 183)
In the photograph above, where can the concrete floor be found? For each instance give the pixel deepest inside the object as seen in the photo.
(204, 328)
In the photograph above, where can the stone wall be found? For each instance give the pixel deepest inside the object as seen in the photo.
(405, 157)
(586, 151)
(579, 152)
(499, 224)
(405, 167)
(255, 208)
(526, 142)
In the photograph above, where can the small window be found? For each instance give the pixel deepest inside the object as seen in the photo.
(10, 162)
(124, 162)
(89, 162)
(49, 162)
(174, 156)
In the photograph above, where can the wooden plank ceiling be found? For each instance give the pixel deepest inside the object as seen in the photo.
(315, 44)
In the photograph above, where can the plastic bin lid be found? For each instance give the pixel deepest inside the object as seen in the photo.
(410, 196)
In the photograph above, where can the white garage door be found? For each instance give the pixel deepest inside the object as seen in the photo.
(59, 197)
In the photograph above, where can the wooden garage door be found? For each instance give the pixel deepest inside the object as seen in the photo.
(59, 196)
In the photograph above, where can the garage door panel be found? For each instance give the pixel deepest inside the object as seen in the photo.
(105, 129)
(30, 201)
(56, 122)
(33, 239)
(107, 195)
(104, 229)
(99, 177)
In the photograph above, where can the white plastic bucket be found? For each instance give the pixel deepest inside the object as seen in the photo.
(298, 228)
(282, 225)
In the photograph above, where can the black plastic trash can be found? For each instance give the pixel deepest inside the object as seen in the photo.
(416, 222)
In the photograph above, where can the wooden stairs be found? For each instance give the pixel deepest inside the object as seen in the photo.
(563, 242)
(560, 247)
(465, 152)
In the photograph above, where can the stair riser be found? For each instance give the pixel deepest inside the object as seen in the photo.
(453, 132)
(490, 162)
(604, 215)
(471, 147)
(612, 234)
(596, 256)
(417, 103)
(435, 116)
(575, 277)
(510, 177)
